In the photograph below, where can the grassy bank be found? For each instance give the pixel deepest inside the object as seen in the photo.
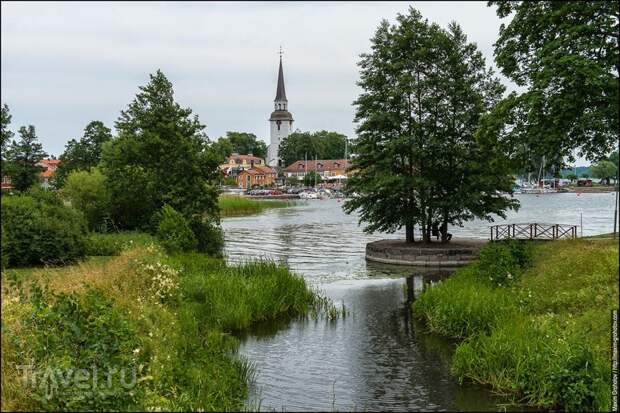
(236, 205)
(165, 319)
(543, 334)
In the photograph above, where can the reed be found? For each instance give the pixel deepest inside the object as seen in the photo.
(237, 205)
(544, 339)
(171, 316)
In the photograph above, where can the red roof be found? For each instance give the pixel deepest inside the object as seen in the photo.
(244, 157)
(259, 170)
(323, 165)
(50, 166)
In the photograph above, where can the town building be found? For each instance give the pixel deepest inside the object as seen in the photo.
(49, 169)
(256, 176)
(328, 169)
(280, 121)
(236, 163)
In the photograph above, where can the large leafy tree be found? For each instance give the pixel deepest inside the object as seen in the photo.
(240, 142)
(84, 154)
(321, 145)
(604, 170)
(160, 156)
(23, 155)
(418, 160)
(565, 55)
(5, 133)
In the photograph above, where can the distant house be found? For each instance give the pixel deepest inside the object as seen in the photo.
(50, 166)
(328, 169)
(49, 169)
(259, 175)
(236, 163)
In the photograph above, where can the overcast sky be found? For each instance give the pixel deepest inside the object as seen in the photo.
(65, 64)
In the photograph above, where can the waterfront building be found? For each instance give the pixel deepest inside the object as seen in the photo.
(236, 163)
(258, 175)
(280, 121)
(328, 169)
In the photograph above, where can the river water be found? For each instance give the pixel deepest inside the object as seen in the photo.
(376, 358)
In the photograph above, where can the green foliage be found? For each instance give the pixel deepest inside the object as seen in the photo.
(230, 181)
(476, 309)
(240, 142)
(161, 156)
(565, 54)
(81, 335)
(238, 205)
(4, 257)
(604, 170)
(312, 178)
(84, 154)
(414, 165)
(5, 133)
(88, 193)
(39, 229)
(173, 231)
(22, 157)
(543, 338)
(209, 235)
(614, 158)
(319, 145)
(503, 262)
(115, 243)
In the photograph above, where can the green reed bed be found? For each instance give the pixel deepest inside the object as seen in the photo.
(238, 205)
(535, 327)
(168, 318)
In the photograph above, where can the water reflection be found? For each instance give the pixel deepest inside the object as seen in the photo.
(376, 358)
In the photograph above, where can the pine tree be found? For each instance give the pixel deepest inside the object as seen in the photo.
(23, 156)
(5, 133)
(159, 157)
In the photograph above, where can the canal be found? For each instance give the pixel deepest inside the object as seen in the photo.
(376, 358)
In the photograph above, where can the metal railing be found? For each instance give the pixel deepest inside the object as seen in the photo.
(533, 231)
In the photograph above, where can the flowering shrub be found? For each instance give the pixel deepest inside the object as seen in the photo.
(502, 262)
(162, 279)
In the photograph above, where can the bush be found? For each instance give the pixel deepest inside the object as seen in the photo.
(502, 262)
(81, 335)
(88, 193)
(115, 243)
(174, 232)
(39, 229)
(210, 237)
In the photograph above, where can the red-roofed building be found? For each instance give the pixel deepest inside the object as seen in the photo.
(236, 162)
(259, 175)
(49, 168)
(326, 168)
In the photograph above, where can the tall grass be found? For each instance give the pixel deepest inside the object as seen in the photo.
(544, 339)
(170, 315)
(237, 205)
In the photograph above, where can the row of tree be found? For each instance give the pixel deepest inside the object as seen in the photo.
(159, 156)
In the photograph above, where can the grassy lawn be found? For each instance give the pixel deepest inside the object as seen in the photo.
(231, 206)
(166, 319)
(544, 339)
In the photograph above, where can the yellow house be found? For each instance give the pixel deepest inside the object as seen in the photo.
(238, 162)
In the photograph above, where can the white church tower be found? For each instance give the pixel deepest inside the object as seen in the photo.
(280, 121)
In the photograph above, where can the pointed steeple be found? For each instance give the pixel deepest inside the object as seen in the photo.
(280, 92)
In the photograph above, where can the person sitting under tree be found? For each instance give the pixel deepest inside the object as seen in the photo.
(445, 235)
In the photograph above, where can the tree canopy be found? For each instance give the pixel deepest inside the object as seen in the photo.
(604, 170)
(240, 142)
(160, 156)
(565, 55)
(84, 154)
(418, 161)
(22, 158)
(319, 145)
(5, 133)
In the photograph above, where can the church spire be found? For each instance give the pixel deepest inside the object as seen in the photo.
(280, 92)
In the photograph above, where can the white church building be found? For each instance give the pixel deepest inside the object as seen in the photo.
(280, 122)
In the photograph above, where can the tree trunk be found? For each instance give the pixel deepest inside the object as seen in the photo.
(409, 233)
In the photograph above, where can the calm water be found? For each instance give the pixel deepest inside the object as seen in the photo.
(375, 358)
